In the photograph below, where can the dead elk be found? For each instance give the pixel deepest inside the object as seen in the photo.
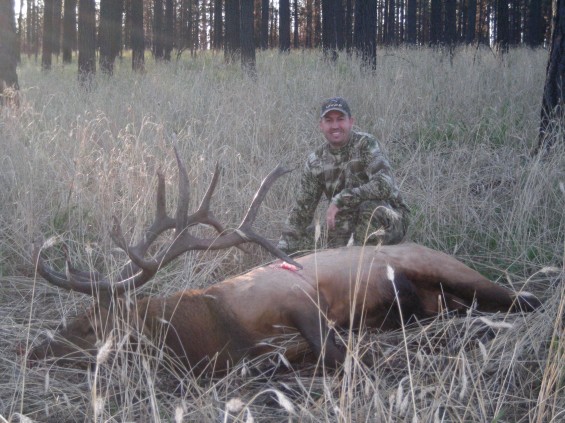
(381, 287)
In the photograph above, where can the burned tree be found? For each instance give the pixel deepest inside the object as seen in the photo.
(110, 33)
(86, 40)
(552, 122)
(8, 51)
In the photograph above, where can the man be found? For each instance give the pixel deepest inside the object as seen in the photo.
(352, 171)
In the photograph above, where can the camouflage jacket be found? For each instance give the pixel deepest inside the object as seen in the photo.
(357, 172)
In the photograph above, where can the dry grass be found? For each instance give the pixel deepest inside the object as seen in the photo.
(458, 134)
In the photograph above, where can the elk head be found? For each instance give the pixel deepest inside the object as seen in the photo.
(77, 343)
(81, 337)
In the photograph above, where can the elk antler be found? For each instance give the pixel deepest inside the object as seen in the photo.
(141, 269)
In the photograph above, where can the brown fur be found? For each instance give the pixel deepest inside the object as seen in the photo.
(232, 319)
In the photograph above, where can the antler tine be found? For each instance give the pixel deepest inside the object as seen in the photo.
(203, 214)
(72, 280)
(261, 193)
(242, 234)
(133, 274)
(161, 223)
(245, 229)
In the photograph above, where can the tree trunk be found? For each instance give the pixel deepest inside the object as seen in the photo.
(264, 35)
(8, 52)
(348, 25)
(110, 33)
(411, 8)
(218, 24)
(47, 48)
(57, 9)
(309, 36)
(232, 36)
(534, 28)
(552, 122)
(295, 39)
(365, 34)
(471, 21)
(317, 17)
(502, 33)
(158, 29)
(435, 22)
(185, 36)
(247, 39)
(329, 32)
(86, 41)
(69, 29)
(168, 30)
(390, 23)
(284, 25)
(450, 23)
(137, 36)
(339, 24)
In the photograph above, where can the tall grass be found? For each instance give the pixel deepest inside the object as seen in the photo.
(458, 133)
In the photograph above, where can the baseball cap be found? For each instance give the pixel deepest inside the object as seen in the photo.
(335, 103)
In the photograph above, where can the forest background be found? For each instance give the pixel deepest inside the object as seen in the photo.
(238, 27)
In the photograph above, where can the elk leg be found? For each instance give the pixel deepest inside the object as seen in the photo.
(406, 303)
(311, 323)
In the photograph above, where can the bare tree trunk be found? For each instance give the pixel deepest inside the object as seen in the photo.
(308, 42)
(168, 30)
(471, 21)
(247, 39)
(109, 34)
(295, 38)
(329, 29)
(284, 25)
(264, 37)
(86, 41)
(502, 32)
(158, 29)
(69, 29)
(218, 25)
(137, 36)
(232, 35)
(47, 47)
(57, 9)
(552, 122)
(8, 52)
(365, 36)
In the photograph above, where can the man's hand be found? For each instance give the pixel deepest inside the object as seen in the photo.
(330, 216)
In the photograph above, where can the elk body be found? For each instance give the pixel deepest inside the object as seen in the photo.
(378, 287)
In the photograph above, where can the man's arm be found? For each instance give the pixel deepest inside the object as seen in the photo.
(301, 215)
(381, 184)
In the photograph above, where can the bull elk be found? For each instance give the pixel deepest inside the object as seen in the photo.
(310, 296)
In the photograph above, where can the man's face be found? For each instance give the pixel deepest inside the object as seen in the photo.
(336, 128)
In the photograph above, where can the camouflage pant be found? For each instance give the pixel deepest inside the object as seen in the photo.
(374, 222)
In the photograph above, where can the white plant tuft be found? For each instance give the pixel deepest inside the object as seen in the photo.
(390, 273)
(495, 325)
(104, 351)
(234, 405)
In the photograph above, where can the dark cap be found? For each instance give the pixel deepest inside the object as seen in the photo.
(335, 103)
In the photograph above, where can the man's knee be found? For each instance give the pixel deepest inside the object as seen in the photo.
(379, 223)
(291, 242)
